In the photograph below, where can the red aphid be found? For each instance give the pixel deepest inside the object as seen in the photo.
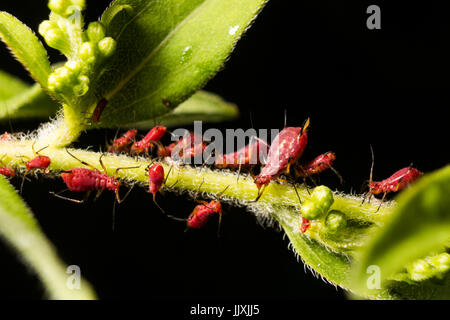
(155, 178)
(305, 225)
(398, 181)
(189, 146)
(317, 165)
(166, 151)
(245, 157)
(153, 136)
(99, 110)
(286, 149)
(202, 212)
(7, 172)
(83, 179)
(39, 162)
(123, 143)
(5, 137)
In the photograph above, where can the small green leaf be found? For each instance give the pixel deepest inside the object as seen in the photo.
(21, 101)
(26, 47)
(202, 106)
(166, 51)
(419, 225)
(19, 228)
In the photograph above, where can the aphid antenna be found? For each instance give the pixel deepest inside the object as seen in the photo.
(296, 192)
(198, 189)
(83, 162)
(285, 118)
(167, 175)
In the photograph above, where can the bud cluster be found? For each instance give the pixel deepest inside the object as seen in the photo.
(431, 266)
(85, 50)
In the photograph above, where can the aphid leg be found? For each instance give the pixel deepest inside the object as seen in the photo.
(198, 189)
(260, 193)
(381, 202)
(220, 223)
(154, 200)
(341, 180)
(82, 162)
(70, 199)
(296, 191)
(119, 200)
(239, 172)
(167, 175)
(23, 180)
(98, 194)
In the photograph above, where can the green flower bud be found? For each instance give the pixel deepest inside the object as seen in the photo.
(335, 221)
(66, 8)
(420, 270)
(323, 197)
(82, 87)
(440, 262)
(310, 211)
(95, 32)
(87, 52)
(107, 46)
(54, 36)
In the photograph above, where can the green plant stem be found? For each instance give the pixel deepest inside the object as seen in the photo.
(188, 178)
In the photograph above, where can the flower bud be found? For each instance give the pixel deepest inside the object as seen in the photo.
(87, 52)
(107, 46)
(95, 32)
(82, 87)
(420, 270)
(310, 211)
(335, 221)
(54, 36)
(440, 262)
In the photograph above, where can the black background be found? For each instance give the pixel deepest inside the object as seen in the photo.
(317, 59)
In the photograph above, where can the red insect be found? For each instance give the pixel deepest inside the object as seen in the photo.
(187, 147)
(6, 171)
(202, 212)
(101, 105)
(305, 225)
(166, 151)
(245, 157)
(152, 137)
(88, 180)
(5, 137)
(38, 162)
(317, 165)
(123, 143)
(396, 182)
(286, 149)
(156, 180)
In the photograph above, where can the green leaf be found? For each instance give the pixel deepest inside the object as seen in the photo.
(26, 47)
(166, 51)
(202, 106)
(19, 228)
(420, 224)
(21, 101)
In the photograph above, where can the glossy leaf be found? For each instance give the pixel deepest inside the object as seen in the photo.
(166, 51)
(202, 106)
(419, 225)
(19, 228)
(25, 46)
(20, 100)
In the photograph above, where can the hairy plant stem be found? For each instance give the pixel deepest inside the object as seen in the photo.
(279, 199)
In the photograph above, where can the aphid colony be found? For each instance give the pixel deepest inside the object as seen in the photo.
(282, 159)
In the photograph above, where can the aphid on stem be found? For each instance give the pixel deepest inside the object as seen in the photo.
(396, 182)
(285, 150)
(36, 163)
(156, 180)
(88, 180)
(201, 214)
(123, 143)
(317, 165)
(150, 139)
(6, 171)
